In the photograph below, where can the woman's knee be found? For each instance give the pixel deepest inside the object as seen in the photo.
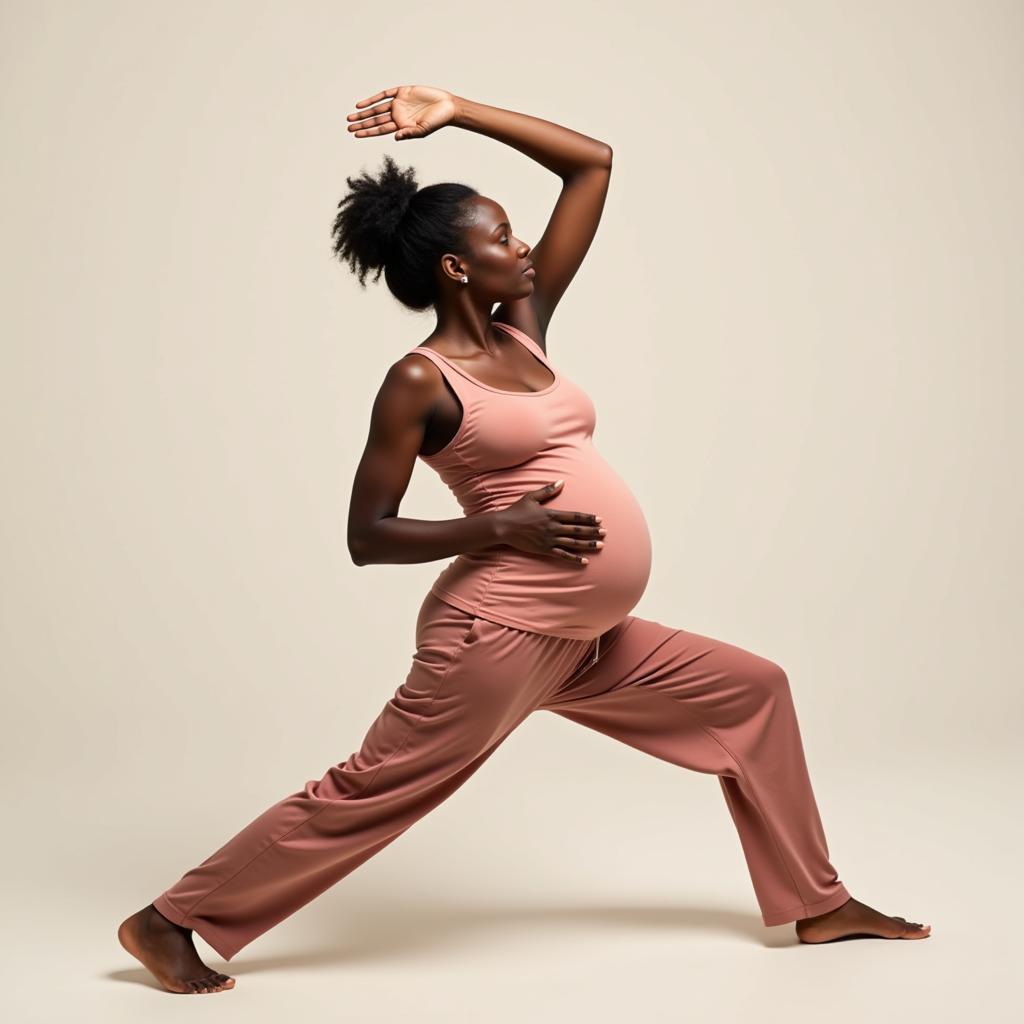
(767, 680)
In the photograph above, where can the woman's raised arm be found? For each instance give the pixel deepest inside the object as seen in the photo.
(584, 165)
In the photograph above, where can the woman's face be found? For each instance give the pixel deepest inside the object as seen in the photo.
(496, 259)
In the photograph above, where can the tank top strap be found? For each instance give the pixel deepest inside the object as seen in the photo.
(526, 340)
(461, 382)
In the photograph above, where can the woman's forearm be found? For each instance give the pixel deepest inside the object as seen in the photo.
(395, 540)
(560, 149)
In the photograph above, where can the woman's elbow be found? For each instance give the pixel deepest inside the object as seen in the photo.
(358, 549)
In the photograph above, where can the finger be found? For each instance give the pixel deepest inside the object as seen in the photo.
(579, 543)
(564, 516)
(587, 537)
(546, 492)
(586, 532)
(562, 553)
(384, 108)
(377, 97)
(370, 122)
(384, 129)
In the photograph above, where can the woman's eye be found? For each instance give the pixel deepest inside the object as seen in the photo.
(504, 239)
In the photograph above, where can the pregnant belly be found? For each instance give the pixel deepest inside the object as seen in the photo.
(549, 594)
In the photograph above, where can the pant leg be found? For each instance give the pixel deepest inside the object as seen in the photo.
(712, 707)
(471, 682)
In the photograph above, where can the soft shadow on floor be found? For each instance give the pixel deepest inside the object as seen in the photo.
(396, 934)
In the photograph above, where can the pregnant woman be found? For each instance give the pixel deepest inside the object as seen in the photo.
(533, 613)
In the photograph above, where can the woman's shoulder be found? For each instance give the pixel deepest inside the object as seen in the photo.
(415, 369)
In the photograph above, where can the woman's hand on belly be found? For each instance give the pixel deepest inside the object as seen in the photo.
(529, 526)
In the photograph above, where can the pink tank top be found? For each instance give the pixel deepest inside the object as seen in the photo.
(510, 442)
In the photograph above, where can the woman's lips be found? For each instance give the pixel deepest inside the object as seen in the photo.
(530, 272)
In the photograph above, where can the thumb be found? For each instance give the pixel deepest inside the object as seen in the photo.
(548, 492)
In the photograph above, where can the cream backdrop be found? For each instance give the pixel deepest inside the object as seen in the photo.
(801, 324)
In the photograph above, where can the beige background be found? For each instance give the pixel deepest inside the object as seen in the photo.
(801, 324)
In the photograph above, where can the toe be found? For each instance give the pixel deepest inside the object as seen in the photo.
(912, 929)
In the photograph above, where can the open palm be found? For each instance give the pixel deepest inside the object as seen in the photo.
(410, 111)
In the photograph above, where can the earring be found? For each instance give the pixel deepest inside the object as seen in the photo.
(465, 280)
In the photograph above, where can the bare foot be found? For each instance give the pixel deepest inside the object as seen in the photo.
(165, 949)
(856, 920)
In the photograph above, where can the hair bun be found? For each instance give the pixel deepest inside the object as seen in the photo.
(371, 214)
(403, 200)
(377, 228)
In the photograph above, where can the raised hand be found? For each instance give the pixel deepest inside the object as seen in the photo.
(410, 111)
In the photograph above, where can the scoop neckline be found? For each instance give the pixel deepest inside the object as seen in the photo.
(515, 332)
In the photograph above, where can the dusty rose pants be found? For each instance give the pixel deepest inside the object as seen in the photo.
(686, 698)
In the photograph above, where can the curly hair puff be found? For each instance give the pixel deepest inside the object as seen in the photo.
(387, 223)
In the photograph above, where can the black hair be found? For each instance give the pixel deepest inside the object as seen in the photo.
(387, 223)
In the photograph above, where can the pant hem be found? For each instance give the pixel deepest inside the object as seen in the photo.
(802, 910)
(206, 931)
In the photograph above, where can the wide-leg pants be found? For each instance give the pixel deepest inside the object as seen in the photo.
(688, 699)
